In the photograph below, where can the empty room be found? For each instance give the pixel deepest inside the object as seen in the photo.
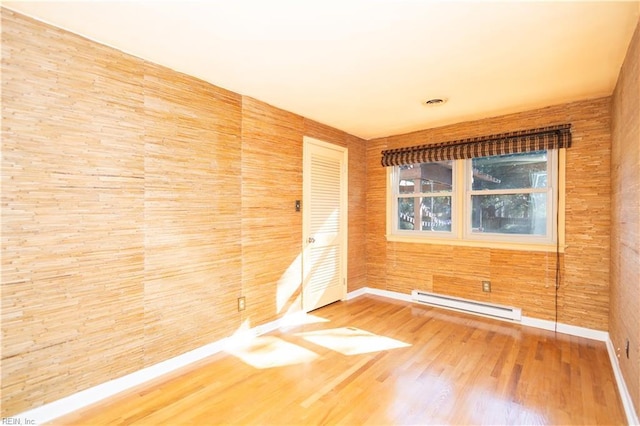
(289, 212)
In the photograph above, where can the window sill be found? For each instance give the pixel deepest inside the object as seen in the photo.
(551, 248)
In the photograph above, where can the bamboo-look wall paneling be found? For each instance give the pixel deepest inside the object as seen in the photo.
(271, 228)
(377, 261)
(326, 133)
(535, 271)
(357, 266)
(128, 227)
(192, 213)
(522, 279)
(585, 293)
(624, 317)
(72, 214)
(357, 273)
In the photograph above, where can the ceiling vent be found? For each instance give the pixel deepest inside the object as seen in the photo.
(434, 101)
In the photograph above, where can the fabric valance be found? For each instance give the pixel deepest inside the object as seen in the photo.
(544, 138)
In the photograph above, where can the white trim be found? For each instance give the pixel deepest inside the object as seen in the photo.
(461, 235)
(503, 245)
(550, 192)
(572, 330)
(625, 396)
(53, 410)
(389, 294)
(82, 399)
(357, 293)
(393, 182)
(309, 145)
(538, 323)
(587, 333)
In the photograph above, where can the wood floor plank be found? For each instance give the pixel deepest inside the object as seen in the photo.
(377, 361)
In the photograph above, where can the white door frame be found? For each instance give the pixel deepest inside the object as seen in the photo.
(343, 220)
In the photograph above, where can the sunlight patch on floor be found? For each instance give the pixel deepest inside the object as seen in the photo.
(351, 341)
(288, 284)
(270, 351)
(300, 318)
(242, 335)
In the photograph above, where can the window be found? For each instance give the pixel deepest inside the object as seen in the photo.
(424, 197)
(506, 198)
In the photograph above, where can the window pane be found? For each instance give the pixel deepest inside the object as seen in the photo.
(425, 178)
(436, 214)
(432, 213)
(510, 214)
(526, 170)
(406, 213)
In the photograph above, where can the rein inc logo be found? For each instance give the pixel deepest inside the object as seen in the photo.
(17, 421)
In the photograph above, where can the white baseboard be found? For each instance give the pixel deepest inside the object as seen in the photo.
(389, 294)
(69, 404)
(357, 293)
(572, 330)
(82, 399)
(527, 321)
(627, 402)
(79, 400)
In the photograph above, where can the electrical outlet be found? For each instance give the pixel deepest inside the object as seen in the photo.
(626, 348)
(486, 286)
(242, 303)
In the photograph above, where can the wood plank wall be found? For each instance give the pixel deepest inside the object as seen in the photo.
(72, 214)
(518, 278)
(192, 250)
(138, 203)
(270, 248)
(624, 317)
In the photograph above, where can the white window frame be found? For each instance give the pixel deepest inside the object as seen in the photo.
(461, 233)
(419, 233)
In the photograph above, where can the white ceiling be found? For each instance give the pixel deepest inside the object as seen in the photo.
(367, 66)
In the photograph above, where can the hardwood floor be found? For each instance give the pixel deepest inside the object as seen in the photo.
(376, 361)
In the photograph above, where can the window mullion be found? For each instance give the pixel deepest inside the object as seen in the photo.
(509, 191)
(459, 199)
(426, 194)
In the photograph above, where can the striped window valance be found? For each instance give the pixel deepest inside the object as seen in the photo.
(552, 137)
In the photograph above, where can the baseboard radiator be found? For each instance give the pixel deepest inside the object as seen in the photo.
(466, 305)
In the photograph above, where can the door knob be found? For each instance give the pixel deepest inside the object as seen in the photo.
(311, 240)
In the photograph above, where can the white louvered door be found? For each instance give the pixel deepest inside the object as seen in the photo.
(324, 260)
